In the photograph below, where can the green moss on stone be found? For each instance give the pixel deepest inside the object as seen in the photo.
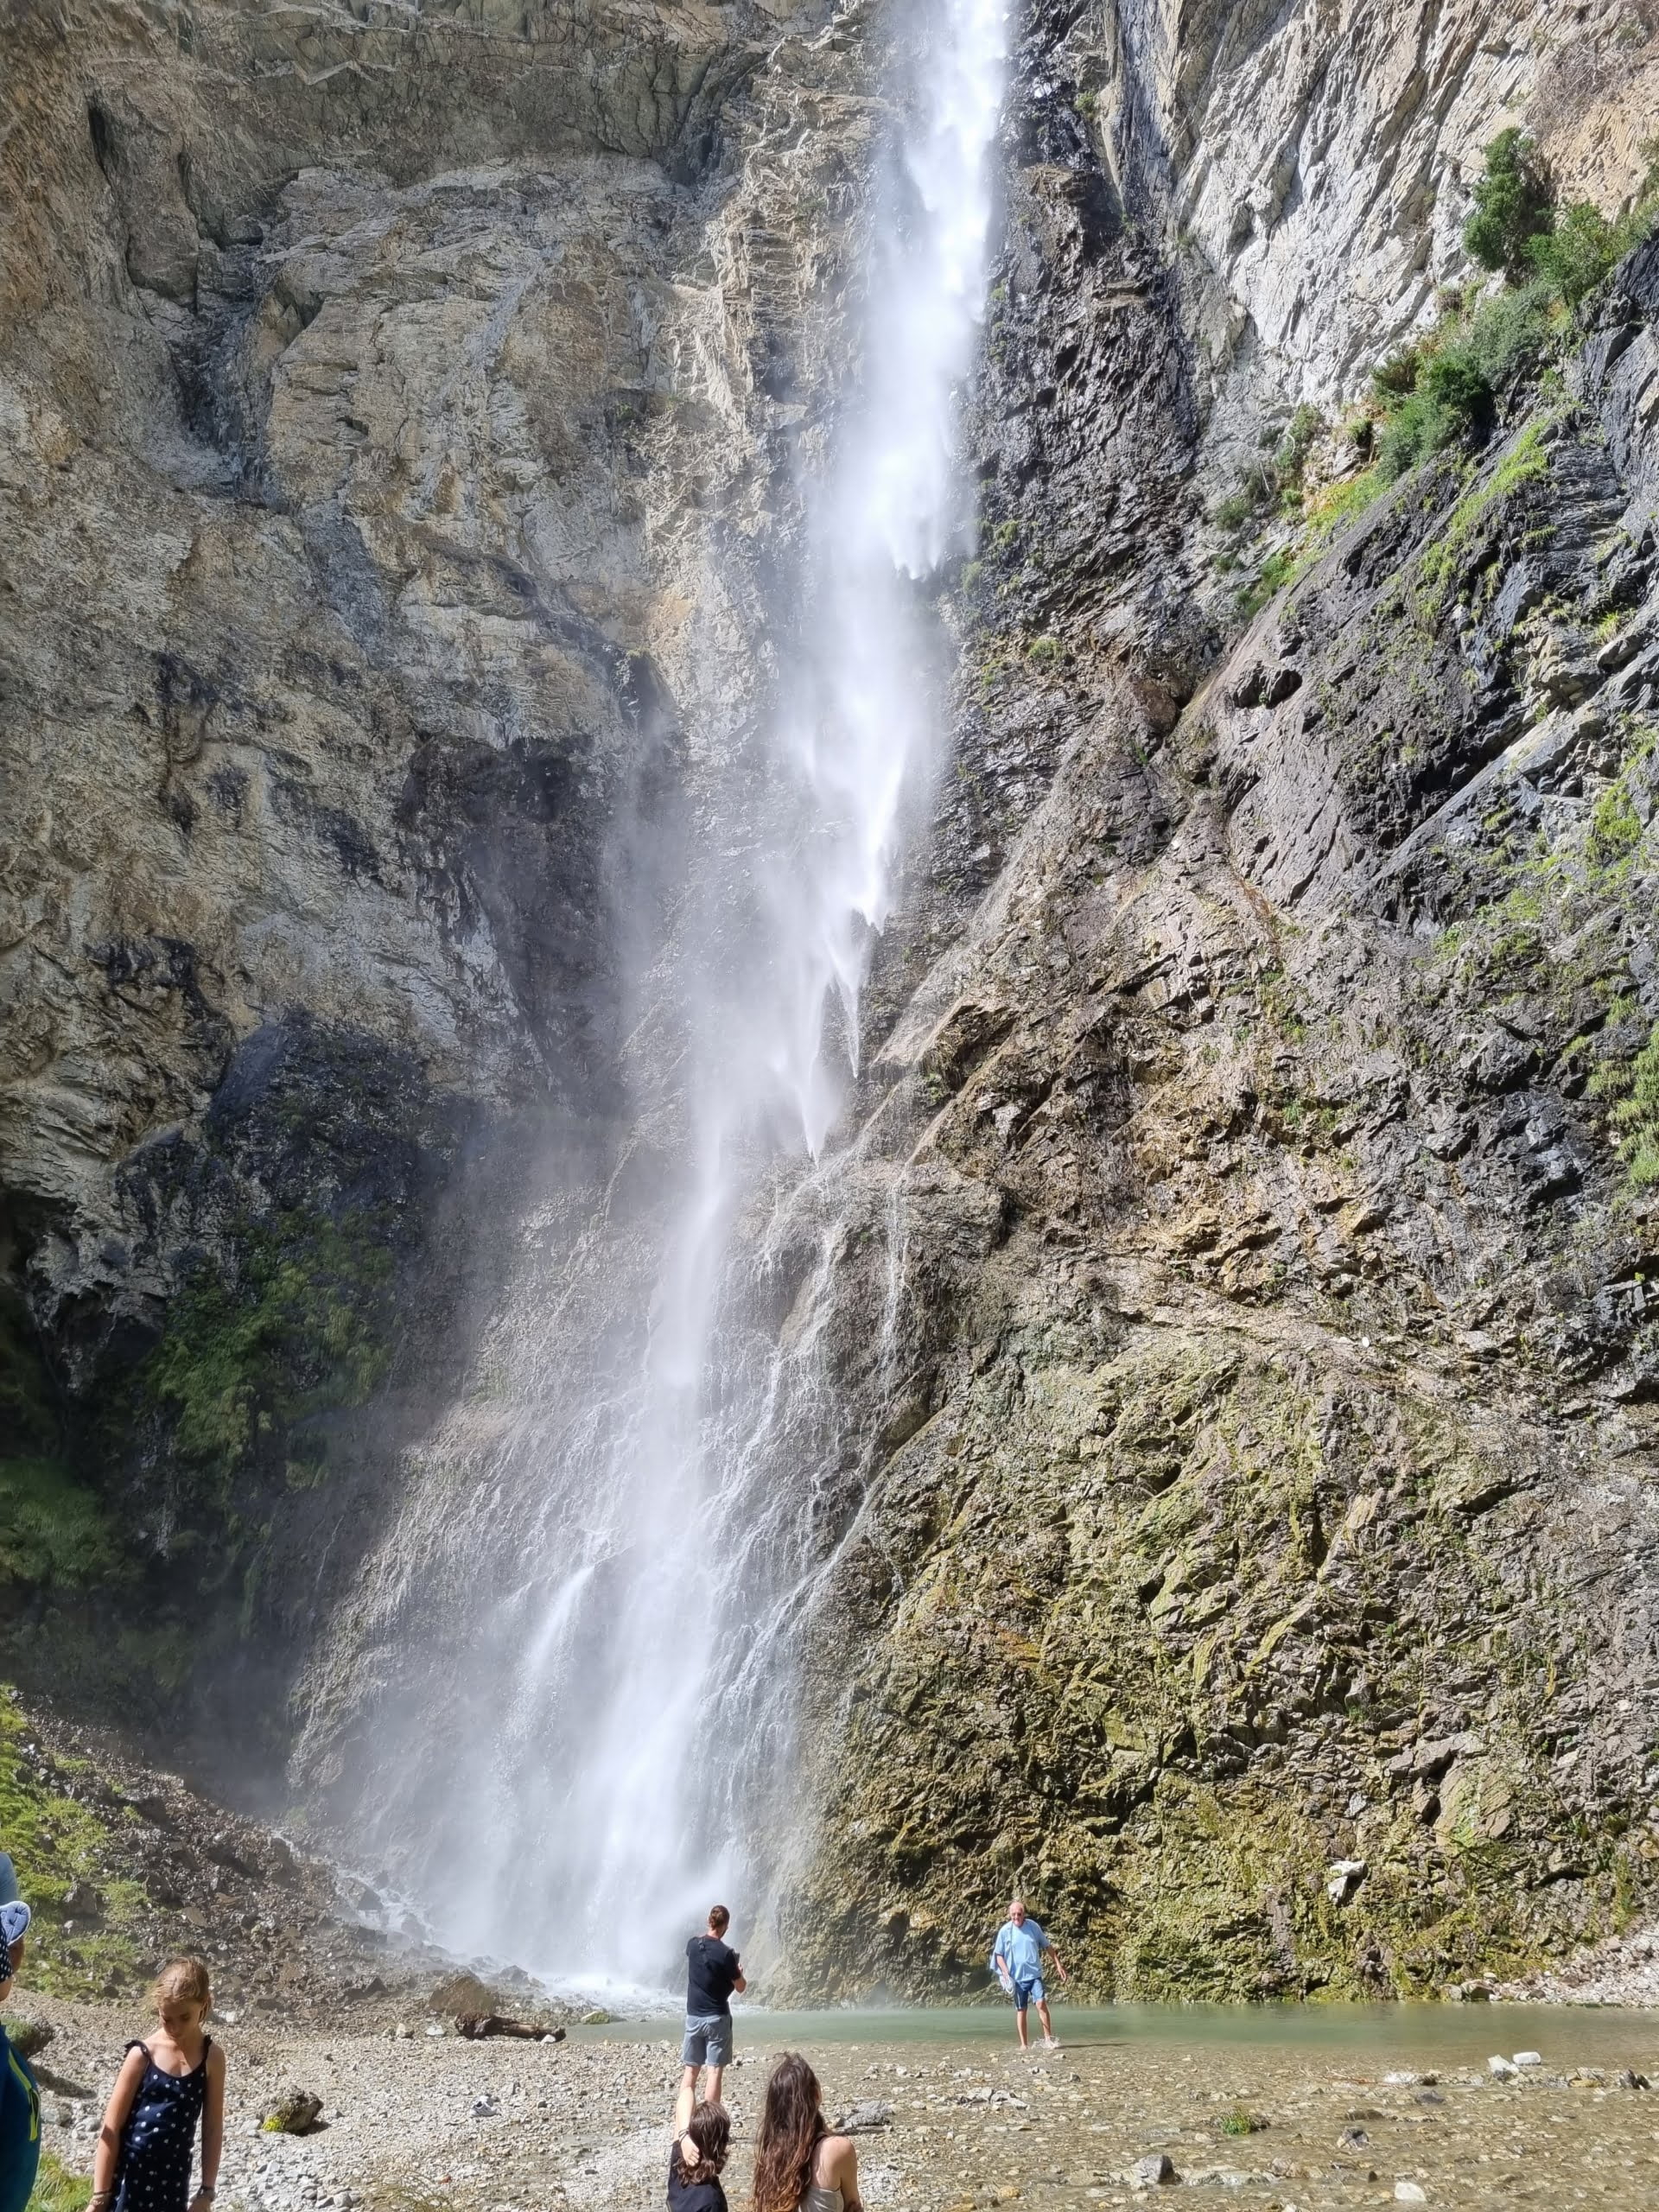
(1636, 1114)
(58, 1835)
(1223, 1561)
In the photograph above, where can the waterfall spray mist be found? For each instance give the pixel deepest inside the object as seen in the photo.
(629, 1686)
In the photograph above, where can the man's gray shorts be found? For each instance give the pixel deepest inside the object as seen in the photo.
(707, 2040)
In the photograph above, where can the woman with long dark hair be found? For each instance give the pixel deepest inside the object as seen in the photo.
(799, 2166)
(694, 2164)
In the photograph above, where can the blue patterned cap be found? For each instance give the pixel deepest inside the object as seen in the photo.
(13, 1922)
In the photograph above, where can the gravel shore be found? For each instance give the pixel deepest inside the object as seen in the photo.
(425, 2120)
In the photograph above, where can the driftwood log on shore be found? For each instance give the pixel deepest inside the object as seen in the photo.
(478, 2026)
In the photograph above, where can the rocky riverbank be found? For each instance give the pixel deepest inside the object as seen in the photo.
(945, 2125)
(321, 1992)
(126, 1865)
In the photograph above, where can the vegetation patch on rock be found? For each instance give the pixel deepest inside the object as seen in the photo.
(89, 1936)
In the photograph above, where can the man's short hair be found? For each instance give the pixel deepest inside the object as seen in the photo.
(718, 1919)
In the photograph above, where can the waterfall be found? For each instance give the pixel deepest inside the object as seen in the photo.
(627, 1697)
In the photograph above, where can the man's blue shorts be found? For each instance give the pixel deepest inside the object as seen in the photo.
(708, 2039)
(1028, 1992)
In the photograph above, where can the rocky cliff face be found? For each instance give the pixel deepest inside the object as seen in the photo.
(391, 422)
(1267, 1581)
(403, 419)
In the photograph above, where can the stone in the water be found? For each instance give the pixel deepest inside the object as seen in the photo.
(1147, 2173)
(1352, 2139)
(599, 2018)
(1410, 2192)
(1504, 2068)
(1528, 2058)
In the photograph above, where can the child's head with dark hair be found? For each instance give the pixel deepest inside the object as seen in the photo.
(709, 2131)
(719, 1920)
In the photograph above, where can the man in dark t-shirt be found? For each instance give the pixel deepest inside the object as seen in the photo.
(712, 1973)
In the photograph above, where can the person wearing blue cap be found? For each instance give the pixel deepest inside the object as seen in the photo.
(20, 2097)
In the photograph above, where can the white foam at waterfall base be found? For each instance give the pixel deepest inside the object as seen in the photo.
(639, 1531)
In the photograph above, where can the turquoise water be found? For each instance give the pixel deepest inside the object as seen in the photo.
(1415, 2036)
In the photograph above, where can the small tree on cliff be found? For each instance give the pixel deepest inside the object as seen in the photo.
(1514, 204)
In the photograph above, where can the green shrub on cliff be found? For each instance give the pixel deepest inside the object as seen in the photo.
(1513, 203)
(1582, 248)
(53, 1532)
(1447, 388)
(300, 1328)
(1635, 1115)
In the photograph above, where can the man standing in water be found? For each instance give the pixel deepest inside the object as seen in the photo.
(1017, 1962)
(712, 1974)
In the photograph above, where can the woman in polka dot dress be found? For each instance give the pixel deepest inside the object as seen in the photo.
(165, 2086)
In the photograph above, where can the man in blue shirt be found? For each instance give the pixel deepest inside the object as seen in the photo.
(1017, 1962)
(20, 2101)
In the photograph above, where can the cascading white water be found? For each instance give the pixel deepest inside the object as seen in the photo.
(632, 1691)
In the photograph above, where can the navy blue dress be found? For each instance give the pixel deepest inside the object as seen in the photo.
(153, 2172)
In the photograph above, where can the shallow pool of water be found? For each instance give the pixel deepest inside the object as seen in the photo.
(1375, 2035)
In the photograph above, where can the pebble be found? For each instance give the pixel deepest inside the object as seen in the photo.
(1410, 2192)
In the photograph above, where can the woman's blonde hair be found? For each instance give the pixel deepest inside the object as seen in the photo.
(182, 1981)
